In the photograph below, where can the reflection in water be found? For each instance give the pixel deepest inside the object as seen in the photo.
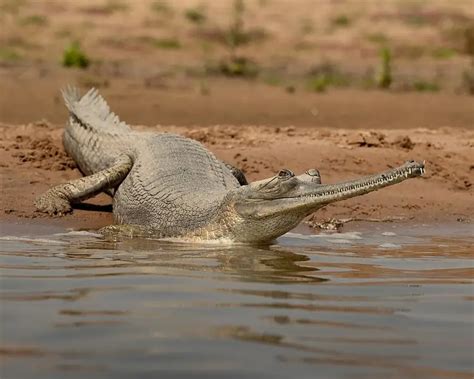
(75, 304)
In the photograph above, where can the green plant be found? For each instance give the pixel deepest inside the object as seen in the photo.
(378, 38)
(443, 53)
(166, 43)
(74, 56)
(326, 74)
(235, 35)
(318, 83)
(8, 54)
(425, 86)
(35, 20)
(112, 6)
(384, 74)
(12, 6)
(107, 8)
(195, 15)
(162, 7)
(238, 67)
(341, 20)
(468, 79)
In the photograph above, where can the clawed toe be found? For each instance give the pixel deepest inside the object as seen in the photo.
(53, 204)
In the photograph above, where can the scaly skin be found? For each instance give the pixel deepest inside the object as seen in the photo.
(169, 186)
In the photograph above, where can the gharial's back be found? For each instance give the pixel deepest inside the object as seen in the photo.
(175, 184)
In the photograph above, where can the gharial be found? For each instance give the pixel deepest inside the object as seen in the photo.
(167, 185)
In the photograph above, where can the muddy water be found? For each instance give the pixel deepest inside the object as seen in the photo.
(387, 301)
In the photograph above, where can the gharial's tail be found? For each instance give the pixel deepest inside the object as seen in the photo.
(92, 112)
(94, 136)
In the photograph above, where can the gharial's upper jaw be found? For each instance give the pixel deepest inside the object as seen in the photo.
(306, 196)
(410, 169)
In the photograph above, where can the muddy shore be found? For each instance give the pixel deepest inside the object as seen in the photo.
(32, 160)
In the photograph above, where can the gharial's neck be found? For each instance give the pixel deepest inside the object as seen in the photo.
(222, 224)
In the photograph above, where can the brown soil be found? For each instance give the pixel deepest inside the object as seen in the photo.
(33, 160)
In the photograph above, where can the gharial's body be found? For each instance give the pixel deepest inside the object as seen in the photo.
(171, 186)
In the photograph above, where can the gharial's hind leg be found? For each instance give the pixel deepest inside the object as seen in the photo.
(58, 200)
(237, 172)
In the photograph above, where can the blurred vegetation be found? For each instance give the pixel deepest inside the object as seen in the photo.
(229, 44)
(425, 86)
(468, 80)
(74, 56)
(166, 43)
(8, 54)
(107, 8)
(384, 72)
(325, 75)
(34, 20)
(378, 37)
(196, 15)
(341, 20)
(235, 66)
(12, 6)
(161, 7)
(443, 53)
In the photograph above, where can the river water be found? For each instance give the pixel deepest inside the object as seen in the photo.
(387, 301)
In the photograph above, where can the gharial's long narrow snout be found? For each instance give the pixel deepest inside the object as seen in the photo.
(295, 194)
(326, 194)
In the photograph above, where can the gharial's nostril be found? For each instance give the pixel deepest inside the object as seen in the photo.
(313, 172)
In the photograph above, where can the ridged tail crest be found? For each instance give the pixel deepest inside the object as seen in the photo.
(92, 112)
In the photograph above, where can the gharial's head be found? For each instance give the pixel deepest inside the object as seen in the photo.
(271, 207)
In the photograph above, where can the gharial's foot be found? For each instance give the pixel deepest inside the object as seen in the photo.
(54, 202)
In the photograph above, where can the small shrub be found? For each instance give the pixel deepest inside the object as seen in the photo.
(378, 38)
(319, 83)
(235, 35)
(34, 20)
(238, 67)
(107, 8)
(468, 80)
(162, 7)
(195, 15)
(74, 56)
(324, 75)
(8, 54)
(384, 75)
(166, 43)
(12, 6)
(425, 86)
(341, 20)
(112, 6)
(443, 53)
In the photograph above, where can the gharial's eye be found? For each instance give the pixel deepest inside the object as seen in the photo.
(285, 174)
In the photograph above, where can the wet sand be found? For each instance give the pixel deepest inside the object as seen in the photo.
(33, 159)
